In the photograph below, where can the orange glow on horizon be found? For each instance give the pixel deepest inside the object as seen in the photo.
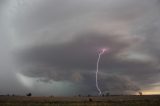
(149, 92)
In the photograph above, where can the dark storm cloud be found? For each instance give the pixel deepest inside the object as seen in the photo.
(81, 53)
(75, 61)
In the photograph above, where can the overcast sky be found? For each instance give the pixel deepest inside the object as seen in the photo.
(50, 47)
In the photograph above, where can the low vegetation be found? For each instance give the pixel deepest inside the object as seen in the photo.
(80, 101)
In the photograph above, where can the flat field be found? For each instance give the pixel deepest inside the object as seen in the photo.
(150, 100)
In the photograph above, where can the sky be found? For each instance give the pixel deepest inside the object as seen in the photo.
(50, 47)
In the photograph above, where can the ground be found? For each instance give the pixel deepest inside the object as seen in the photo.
(150, 100)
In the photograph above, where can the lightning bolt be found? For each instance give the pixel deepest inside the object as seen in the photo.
(99, 57)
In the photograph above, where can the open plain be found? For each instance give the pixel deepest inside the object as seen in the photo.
(147, 100)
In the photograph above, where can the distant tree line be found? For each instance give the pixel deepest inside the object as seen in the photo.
(28, 94)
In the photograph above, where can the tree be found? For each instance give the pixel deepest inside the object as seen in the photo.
(90, 100)
(29, 94)
(140, 93)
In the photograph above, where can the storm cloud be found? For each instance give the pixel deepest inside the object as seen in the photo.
(57, 42)
(75, 61)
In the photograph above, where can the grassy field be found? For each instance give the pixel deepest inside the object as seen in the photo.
(81, 101)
